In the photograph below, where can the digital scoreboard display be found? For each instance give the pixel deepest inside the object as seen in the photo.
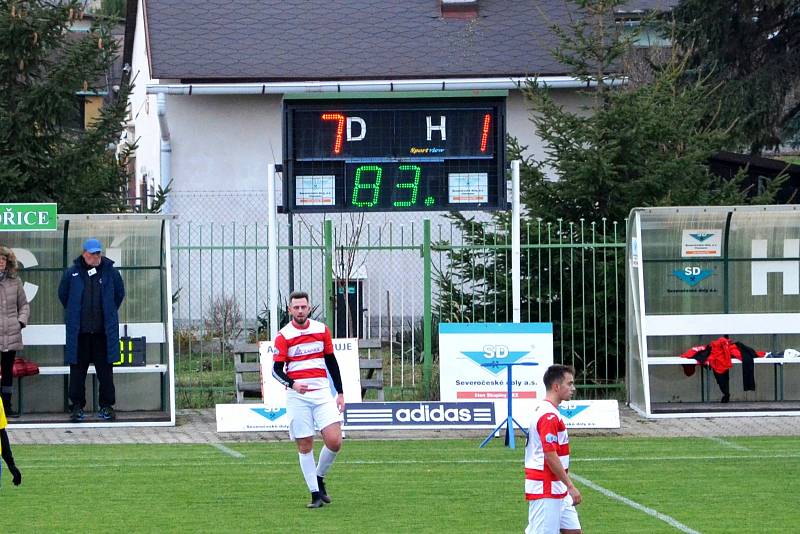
(395, 156)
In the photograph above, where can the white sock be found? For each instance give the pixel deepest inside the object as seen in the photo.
(326, 458)
(309, 470)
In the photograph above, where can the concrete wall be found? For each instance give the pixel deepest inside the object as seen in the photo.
(224, 143)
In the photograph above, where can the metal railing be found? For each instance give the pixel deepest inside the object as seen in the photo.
(391, 285)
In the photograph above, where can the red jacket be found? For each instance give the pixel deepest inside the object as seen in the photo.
(716, 354)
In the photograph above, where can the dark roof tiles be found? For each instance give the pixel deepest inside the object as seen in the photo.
(350, 39)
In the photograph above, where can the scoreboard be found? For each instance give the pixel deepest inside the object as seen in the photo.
(394, 156)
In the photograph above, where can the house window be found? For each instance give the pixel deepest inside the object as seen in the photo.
(77, 116)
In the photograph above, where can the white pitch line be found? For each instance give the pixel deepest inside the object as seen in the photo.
(633, 504)
(226, 450)
(49, 464)
(729, 444)
(725, 457)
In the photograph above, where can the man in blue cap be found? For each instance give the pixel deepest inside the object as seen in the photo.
(91, 291)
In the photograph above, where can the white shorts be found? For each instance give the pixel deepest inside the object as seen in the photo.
(549, 516)
(313, 409)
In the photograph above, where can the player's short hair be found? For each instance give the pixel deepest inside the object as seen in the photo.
(298, 295)
(555, 373)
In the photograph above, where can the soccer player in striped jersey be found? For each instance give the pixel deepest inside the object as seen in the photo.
(551, 495)
(303, 361)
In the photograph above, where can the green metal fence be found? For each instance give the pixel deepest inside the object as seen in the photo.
(572, 277)
(390, 284)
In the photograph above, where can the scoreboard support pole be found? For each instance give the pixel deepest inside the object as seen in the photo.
(272, 253)
(516, 248)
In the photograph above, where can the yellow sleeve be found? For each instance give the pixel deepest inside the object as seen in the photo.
(3, 421)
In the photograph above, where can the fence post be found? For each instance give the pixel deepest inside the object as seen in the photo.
(427, 326)
(329, 296)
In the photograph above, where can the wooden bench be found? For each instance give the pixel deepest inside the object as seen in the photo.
(247, 368)
(373, 378)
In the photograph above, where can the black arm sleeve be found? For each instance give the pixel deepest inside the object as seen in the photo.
(333, 370)
(280, 375)
(8, 457)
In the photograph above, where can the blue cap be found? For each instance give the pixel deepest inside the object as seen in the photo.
(92, 245)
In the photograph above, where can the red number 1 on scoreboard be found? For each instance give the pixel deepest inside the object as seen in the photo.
(487, 120)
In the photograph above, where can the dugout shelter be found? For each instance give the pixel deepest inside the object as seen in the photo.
(144, 377)
(695, 275)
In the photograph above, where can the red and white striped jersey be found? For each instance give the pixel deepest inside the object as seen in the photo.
(304, 351)
(547, 433)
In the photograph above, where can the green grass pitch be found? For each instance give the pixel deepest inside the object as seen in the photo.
(445, 486)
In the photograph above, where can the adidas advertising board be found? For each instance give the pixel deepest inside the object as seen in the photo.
(271, 415)
(408, 415)
(467, 350)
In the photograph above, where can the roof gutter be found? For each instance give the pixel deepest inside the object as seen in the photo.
(445, 84)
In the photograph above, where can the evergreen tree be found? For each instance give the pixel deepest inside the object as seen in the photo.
(44, 155)
(631, 145)
(641, 146)
(753, 49)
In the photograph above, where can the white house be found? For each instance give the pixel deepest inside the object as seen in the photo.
(213, 79)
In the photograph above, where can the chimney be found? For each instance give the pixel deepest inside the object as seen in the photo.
(459, 9)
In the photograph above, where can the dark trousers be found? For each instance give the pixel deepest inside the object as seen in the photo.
(91, 350)
(6, 383)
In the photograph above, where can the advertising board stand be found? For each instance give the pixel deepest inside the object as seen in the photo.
(509, 422)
